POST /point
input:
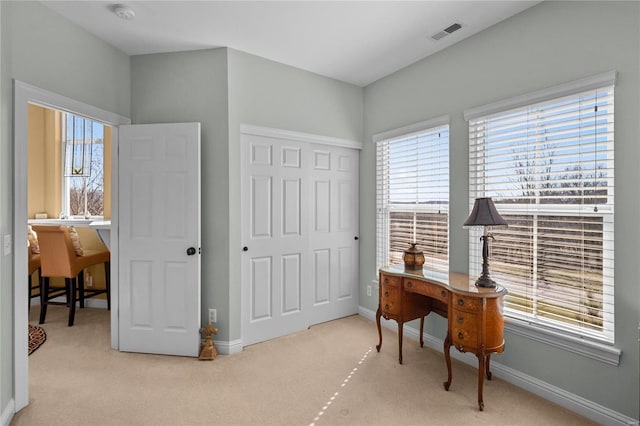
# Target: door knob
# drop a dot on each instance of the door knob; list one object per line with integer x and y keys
{"x": 355, "y": 238}
{"x": 245, "y": 248}
{"x": 191, "y": 251}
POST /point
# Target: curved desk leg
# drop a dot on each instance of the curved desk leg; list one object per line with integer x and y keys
{"x": 481, "y": 373}
{"x": 400, "y": 327}
{"x": 378, "y": 315}
{"x": 422, "y": 332}
{"x": 488, "y": 368}
{"x": 447, "y": 357}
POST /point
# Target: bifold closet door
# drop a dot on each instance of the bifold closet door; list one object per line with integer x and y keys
{"x": 299, "y": 223}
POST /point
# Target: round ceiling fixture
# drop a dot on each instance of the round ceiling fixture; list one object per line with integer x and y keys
{"x": 123, "y": 11}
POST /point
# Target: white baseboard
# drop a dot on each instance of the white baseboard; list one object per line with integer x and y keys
{"x": 8, "y": 412}
{"x": 573, "y": 402}
{"x": 228, "y": 348}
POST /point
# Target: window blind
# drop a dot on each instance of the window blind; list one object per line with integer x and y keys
{"x": 83, "y": 165}
{"x": 549, "y": 167}
{"x": 413, "y": 197}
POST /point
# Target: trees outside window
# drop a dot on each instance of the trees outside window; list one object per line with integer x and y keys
{"x": 83, "y": 156}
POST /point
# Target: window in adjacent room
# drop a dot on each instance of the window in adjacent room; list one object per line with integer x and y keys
{"x": 83, "y": 165}
{"x": 549, "y": 167}
{"x": 413, "y": 193}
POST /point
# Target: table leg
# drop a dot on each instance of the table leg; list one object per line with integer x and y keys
{"x": 378, "y": 315}
{"x": 447, "y": 357}
{"x": 80, "y": 281}
{"x": 481, "y": 373}
{"x": 400, "y": 327}
{"x": 422, "y": 332}
{"x": 488, "y": 369}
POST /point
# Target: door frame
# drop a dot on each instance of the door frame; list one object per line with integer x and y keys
{"x": 25, "y": 94}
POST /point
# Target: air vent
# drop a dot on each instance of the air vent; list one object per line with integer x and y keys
{"x": 450, "y": 29}
{"x": 439, "y": 35}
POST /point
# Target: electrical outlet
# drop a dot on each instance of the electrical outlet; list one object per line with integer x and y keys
{"x": 368, "y": 290}
{"x": 6, "y": 245}
{"x": 213, "y": 315}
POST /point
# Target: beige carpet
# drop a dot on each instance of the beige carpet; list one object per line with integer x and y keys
{"x": 328, "y": 375}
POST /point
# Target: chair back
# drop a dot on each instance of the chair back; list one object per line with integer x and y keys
{"x": 34, "y": 261}
{"x": 57, "y": 255}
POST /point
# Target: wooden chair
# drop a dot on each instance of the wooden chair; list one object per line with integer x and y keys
{"x": 58, "y": 258}
{"x": 34, "y": 265}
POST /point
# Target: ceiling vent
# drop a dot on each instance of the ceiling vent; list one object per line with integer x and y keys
{"x": 450, "y": 29}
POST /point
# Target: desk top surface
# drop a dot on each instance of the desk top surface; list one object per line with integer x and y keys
{"x": 454, "y": 280}
{"x": 91, "y": 223}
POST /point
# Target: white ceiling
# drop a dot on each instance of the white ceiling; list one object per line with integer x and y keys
{"x": 357, "y": 42}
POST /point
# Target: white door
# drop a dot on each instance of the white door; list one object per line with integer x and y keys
{"x": 159, "y": 238}
{"x": 334, "y": 232}
{"x": 299, "y": 223}
{"x": 275, "y": 216}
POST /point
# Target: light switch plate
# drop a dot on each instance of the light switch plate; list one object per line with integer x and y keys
{"x": 6, "y": 245}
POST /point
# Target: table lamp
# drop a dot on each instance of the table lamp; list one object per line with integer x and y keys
{"x": 484, "y": 213}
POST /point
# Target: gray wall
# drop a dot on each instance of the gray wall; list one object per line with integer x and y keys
{"x": 552, "y": 43}
{"x": 192, "y": 87}
{"x": 43, "y": 49}
{"x": 223, "y": 88}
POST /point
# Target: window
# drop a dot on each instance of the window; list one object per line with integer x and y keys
{"x": 83, "y": 165}
{"x": 413, "y": 193}
{"x": 548, "y": 165}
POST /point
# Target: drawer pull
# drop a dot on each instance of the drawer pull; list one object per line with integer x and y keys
{"x": 443, "y": 293}
{"x": 460, "y": 302}
{"x": 460, "y": 336}
{"x": 386, "y": 307}
{"x": 460, "y": 320}
{"x": 409, "y": 284}
{"x": 386, "y": 294}
{"x": 386, "y": 280}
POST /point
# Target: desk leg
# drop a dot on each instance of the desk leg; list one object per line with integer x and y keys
{"x": 447, "y": 357}
{"x": 400, "y": 328}
{"x": 378, "y": 315}
{"x": 422, "y": 332}
{"x": 481, "y": 373}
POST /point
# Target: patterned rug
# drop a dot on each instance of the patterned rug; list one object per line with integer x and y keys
{"x": 37, "y": 336}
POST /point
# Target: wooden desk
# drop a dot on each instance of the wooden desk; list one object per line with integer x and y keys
{"x": 475, "y": 321}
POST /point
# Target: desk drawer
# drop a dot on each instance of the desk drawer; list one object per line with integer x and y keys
{"x": 389, "y": 299}
{"x": 386, "y": 280}
{"x": 427, "y": 289}
{"x": 464, "y": 330}
{"x": 469, "y": 304}
{"x": 390, "y": 294}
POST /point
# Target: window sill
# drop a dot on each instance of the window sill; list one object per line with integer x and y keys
{"x": 594, "y": 350}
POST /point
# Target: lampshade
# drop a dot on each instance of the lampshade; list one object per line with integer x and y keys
{"x": 484, "y": 213}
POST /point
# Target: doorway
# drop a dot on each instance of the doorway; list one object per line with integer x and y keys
{"x": 25, "y": 94}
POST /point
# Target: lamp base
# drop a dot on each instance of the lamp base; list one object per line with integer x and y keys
{"x": 484, "y": 281}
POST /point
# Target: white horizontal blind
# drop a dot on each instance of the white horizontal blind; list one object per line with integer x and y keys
{"x": 413, "y": 197}
{"x": 549, "y": 168}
